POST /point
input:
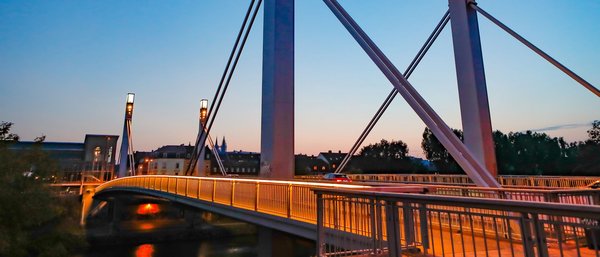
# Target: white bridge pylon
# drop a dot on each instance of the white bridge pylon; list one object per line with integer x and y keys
{"x": 476, "y": 156}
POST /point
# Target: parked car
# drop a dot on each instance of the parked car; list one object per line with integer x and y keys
{"x": 594, "y": 185}
{"x": 337, "y": 177}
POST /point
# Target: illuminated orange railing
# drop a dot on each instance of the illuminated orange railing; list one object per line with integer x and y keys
{"x": 455, "y": 179}
{"x": 289, "y": 199}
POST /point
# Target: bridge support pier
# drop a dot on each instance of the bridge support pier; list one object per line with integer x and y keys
{"x": 472, "y": 88}
{"x": 277, "y": 124}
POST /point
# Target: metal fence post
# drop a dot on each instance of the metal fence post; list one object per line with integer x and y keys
{"x": 214, "y": 190}
{"x": 232, "y": 197}
{"x": 526, "y": 235}
{"x": 373, "y": 216}
{"x": 409, "y": 224}
{"x": 423, "y": 226}
{"x": 289, "y": 201}
{"x": 540, "y": 236}
{"x": 393, "y": 229}
{"x": 256, "y": 195}
{"x": 320, "y": 227}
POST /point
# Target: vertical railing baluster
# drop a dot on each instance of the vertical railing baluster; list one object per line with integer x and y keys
{"x": 289, "y": 201}
{"x": 423, "y": 226}
{"x": 320, "y": 227}
{"x": 256, "y": 196}
{"x": 393, "y": 228}
{"x": 540, "y": 236}
{"x": 232, "y": 195}
{"x": 526, "y": 235}
{"x": 373, "y": 215}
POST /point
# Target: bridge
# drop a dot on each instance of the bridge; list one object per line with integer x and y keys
{"x": 388, "y": 219}
{"x": 477, "y": 214}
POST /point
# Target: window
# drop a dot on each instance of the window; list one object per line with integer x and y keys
{"x": 164, "y": 165}
{"x": 109, "y": 158}
{"x": 97, "y": 152}
{"x": 176, "y": 165}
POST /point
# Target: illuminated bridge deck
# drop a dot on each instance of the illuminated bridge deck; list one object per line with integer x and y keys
{"x": 350, "y": 219}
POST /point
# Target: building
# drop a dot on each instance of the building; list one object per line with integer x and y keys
{"x": 166, "y": 160}
{"x": 239, "y": 163}
{"x": 332, "y": 159}
{"x": 94, "y": 158}
{"x": 308, "y": 165}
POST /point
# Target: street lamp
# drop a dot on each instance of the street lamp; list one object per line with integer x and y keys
{"x": 148, "y": 163}
{"x": 129, "y": 107}
{"x": 124, "y": 155}
{"x": 203, "y": 110}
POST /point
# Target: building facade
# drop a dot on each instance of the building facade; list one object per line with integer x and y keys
{"x": 93, "y": 159}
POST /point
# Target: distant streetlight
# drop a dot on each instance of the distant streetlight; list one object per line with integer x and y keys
{"x": 129, "y": 107}
{"x": 203, "y": 110}
{"x": 148, "y": 163}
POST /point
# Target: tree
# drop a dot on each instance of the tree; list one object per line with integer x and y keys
{"x": 536, "y": 153}
{"x": 588, "y": 159}
{"x": 395, "y": 150}
{"x": 505, "y": 153}
{"x": 33, "y": 221}
{"x": 385, "y": 157}
{"x": 436, "y": 153}
{"x": 594, "y": 132}
{"x": 5, "y": 135}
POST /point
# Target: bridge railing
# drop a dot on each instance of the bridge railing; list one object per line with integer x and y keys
{"x": 288, "y": 199}
{"x": 390, "y": 223}
{"x": 564, "y": 196}
{"x": 453, "y": 179}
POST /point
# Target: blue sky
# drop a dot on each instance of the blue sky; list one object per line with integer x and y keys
{"x": 66, "y": 66}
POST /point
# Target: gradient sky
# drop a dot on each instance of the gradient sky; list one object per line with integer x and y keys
{"x": 66, "y": 66}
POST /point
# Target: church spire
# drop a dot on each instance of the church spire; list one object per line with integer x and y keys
{"x": 217, "y": 145}
{"x": 224, "y": 146}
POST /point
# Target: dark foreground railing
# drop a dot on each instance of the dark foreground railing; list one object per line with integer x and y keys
{"x": 385, "y": 224}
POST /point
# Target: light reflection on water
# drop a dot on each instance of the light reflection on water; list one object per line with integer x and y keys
{"x": 239, "y": 246}
{"x": 145, "y": 250}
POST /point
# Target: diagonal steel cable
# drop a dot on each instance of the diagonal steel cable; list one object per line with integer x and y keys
{"x": 538, "y": 51}
{"x": 212, "y": 113}
{"x": 409, "y": 70}
{"x": 196, "y": 150}
{"x": 476, "y": 171}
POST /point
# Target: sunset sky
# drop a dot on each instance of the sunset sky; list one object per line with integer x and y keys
{"x": 66, "y": 67}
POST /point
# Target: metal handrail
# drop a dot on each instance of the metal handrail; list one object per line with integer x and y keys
{"x": 505, "y": 180}
{"x": 274, "y": 197}
{"x": 396, "y": 222}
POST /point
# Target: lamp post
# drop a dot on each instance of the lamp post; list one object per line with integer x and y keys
{"x": 202, "y": 123}
{"x": 124, "y": 155}
{"x": 203, "y": 111}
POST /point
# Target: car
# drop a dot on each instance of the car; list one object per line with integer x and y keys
{"x": 337, "y": 177}
{"x": 594, "y": 185}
